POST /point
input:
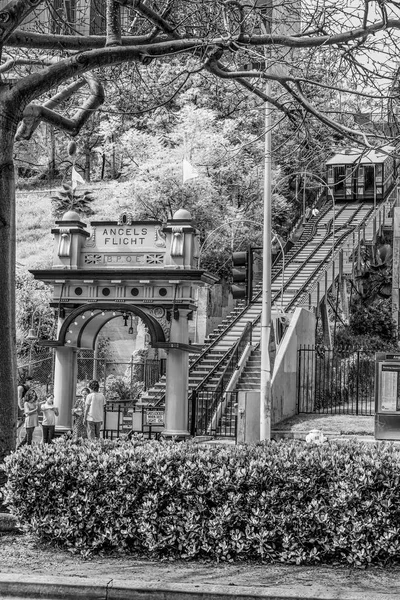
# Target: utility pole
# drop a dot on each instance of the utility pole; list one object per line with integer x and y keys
{"x": 265, "y": 392}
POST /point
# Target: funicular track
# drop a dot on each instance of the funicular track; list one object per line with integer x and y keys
{"x": 304, "y": 263}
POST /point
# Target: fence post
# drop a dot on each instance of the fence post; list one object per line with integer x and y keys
{"x": 130, "y": 387}
{"x": 299, "y": 380}
{"x": 193, "y": 401}
{"x": 357, "y": 380}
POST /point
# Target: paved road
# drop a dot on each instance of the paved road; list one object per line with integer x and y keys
{"x": 19, "y": 586}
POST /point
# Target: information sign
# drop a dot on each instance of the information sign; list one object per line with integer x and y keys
{"x": 154, "y": 416}
{"x": 387, "y": 396}
{"x": 390, "y": 387}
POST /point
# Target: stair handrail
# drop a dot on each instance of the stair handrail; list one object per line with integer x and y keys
{"x": 161, "y": 395}
{"x": 243, "y": 311}
{"x": 234, "y": 359}
{"x": 325, "y": 265}
{"x": 373, "y": 213}
{"x": 159, "y": 398}
{"x": 236, "y": 353}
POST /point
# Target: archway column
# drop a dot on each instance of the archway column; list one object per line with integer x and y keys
{"x": 177, "y": 380}
{"x": 65, "y": 372}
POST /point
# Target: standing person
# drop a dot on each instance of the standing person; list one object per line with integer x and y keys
{"x": 50, "y": 412}
{"x": 79, "y": 429}
{"x": 31, "y": 409}
{"x": 315, "y": 212}
{"x": 21, "y": 391}
{"x": 94, "y": 410}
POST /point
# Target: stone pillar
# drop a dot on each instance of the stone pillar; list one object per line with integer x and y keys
{"x": 176, "y": 393}
{"x": 65, "y": 371}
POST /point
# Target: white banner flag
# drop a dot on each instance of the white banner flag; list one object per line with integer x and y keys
{"x": 76, "y": 178}
{"x": 189, "y": 171}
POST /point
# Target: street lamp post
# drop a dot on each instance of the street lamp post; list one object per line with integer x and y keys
{"x": 265, "y": 387}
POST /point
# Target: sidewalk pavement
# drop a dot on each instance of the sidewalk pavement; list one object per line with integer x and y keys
{"x": 19, "y": 586}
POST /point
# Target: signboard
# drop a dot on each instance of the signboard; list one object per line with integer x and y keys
{"x": 154, "y": 416}
{"x": 124, "y": 237}
{"x": 387, "y": 396}
{"x": 389, "y": 384}
{"x": 132, "y": 245}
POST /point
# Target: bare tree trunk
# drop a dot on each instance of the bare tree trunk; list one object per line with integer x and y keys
{"x": 87, "y": 164}
{"x": 8, "y": 363}
{"x": 52, "y": 152}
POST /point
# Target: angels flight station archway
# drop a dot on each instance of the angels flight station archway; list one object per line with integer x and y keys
{"x": 118, "y": 267}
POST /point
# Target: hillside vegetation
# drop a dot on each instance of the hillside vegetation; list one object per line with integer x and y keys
{"x": 35, "y": 219}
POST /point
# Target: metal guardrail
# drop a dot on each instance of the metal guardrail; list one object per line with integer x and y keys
{"x": 336, "y": 381}
{"x": 143, "y": 420}
{"x": 209, "y": 400}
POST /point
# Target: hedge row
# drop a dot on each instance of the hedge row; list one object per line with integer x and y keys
{"x": 287, "y": 502}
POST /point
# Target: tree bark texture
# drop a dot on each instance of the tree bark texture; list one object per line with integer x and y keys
{"x": 8, "y": 362}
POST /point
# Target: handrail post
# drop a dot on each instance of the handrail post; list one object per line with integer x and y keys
{"x": 193, "y": 400}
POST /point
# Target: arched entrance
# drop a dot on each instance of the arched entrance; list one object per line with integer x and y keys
{"x": 143, "y": 268}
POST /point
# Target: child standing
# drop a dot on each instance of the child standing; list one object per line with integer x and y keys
{"x": 50, "y": 412}
{"x": 31, "y": 409}
{"x": 79, "y": 429}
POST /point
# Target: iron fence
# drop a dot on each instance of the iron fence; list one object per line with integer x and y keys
{"x": 336, "y": 381}
{"x": 40, "y": 367}
{"x": 119, "y": 380}
{"x": 124, "y": 419}
{"x": 213, "y": 414}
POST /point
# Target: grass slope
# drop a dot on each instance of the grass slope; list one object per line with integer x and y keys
{"x": 35, "y": 219}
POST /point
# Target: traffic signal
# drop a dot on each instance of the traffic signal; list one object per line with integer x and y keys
{"x": 242, "y": 275}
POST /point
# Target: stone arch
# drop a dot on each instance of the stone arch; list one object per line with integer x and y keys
{"x": 82, "y": 326}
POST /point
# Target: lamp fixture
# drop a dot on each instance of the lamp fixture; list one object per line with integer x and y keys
{"x": 125, "y": 318}
{"x": 130, "y": 330}
{"x": 31, "y": 335}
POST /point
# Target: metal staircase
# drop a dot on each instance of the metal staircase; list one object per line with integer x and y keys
{"x": 305, "y": 263}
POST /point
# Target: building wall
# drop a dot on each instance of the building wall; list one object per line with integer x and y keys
{"x": 300, "y": 332}
{"x": 71, "y": 17}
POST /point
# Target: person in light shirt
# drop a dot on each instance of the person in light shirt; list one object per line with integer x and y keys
{"x": 94, "y": 410}
{"x": 50, "y": 412}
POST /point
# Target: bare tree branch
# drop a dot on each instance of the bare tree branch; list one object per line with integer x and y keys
{"x": 34, "y": 114}
{"x": 13, "y": 14}
{"x": 113, "y": 23}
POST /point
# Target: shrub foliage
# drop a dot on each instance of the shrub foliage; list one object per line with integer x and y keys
{"x": 287, "y": 502}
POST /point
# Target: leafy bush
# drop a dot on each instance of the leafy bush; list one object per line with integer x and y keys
{"x": 122, "y": 388}
{"x": 286, "y": 502}
{"x": 67, "y": 199}
{"x": 373, "y": 320}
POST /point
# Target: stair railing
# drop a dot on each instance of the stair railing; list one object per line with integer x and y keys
{"x": 212, "y": 400}
{"x": 161, "y": 396}
{"x": 301, "y": 294}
